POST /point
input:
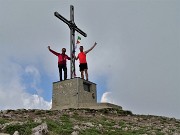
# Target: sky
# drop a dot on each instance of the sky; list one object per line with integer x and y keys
{"x": 136, "y": 63}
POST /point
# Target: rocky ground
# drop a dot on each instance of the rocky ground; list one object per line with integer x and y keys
{"x": 85, "y": 122}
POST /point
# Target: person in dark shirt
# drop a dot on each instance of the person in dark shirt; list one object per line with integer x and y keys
{"x": 62, "y": 57}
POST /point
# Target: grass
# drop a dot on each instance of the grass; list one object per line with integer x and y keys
{"x": 107, "y": 122}
{"x": 24, "y": 129}
{"x": 62, "y": 123}
{"x": 90, "y": 131}
{"x": 78, "y": 117}
{"x": 3, "y": 121}
{"x": 63, "y": 126}
{"x": 38, "y": 112}
{"x": 67, "y": 126}
{"x": 159, "y": 133}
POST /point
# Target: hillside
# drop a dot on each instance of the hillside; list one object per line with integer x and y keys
{"x": 85, "y": 122}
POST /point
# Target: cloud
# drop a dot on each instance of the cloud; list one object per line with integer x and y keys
{"x": 35, "y": 102}
{"x": 107, "y": 97}
{"x": 14, "y": 92}
{"x": 137, "y": 55}
{"x": 141, "y": 60}
{"x": 33, "y": 73}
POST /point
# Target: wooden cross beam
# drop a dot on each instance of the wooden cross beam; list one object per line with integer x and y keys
{"x": 73, "y": 28}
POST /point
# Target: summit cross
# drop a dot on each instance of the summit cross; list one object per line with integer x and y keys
{"x": 73, "y": 28}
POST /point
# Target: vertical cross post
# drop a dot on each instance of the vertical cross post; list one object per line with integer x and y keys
{"x": 73, "y": 28}
{"x": 72, "y": 42}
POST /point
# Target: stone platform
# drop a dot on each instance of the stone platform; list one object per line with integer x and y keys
{"x": 76, "y": 93}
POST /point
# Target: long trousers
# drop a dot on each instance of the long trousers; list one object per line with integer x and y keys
{"x": 64, "y": 68}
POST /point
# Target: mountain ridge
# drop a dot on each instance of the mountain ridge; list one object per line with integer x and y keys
{"x": 107, "y": 121}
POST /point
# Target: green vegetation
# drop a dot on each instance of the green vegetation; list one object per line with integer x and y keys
{"x": 90, "y": 131}
{"x": 78, "y": 117}
{"x": 62, "y": 126}
{"x": 87, "y": 122}
{"x": 54, "y": 126}
{"x": 38, "y": 112}
{"x": 122, "y": 123}
{"x": 3, "y": 121}
{"x": 24, "y": 129}
{"x": 67, "y": 126}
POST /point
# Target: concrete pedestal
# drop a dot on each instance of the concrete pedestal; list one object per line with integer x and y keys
{"x": 76, "y": 93}
{"x": 73, "y": 93}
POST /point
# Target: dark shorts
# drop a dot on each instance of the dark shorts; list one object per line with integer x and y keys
{"x": 83, "y": 66}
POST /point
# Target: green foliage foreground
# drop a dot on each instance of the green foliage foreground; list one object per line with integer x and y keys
{"x": 88, "y": 122}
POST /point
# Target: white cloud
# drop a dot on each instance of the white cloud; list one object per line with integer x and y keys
{"x": 107, "y": 97}
{"x": 34, "y": 71}
{"x": 35, "y": 102}
{"x": 14, "y": 93}
{"x": 137, "y": 52}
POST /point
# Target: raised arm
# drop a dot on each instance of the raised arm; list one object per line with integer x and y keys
{"x": 55, "y": 53}
{"x": 90, "y": 48}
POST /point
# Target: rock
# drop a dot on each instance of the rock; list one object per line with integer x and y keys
{"x": 26, "y": 116}
{"x": 153, "y": 133}
{"x": 71, "y": 113}
{"x": 165, "y": 130}
{"x": 135, "y": 119}
{"x": 37, "y": 120}
{"x": 88, "y": 124}
{"x": 125, "y": 129}
{"x": 100, "y": 125}
{"x": 40, "y": 130}
{"x": 7, "y": 116}
{"x": 16, "y": 133}
{"x": 176, "y": 134}
{"x": 75, "y": 133}
{"x": 76, "y": 127}
{"x": 115, "y": 112}
{"x": 140, "y": 119}
{"x": 1, "y": 126}
{"x": 116, "y": 126}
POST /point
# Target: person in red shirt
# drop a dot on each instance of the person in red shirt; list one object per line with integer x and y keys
{"x": 62, "y": 57}
{"x": 82, "y": 60}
